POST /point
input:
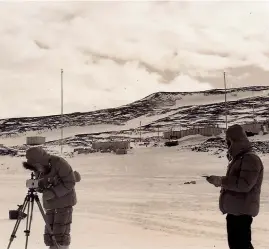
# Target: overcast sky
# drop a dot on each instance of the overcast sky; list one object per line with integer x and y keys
{"x": 114, "y": 53}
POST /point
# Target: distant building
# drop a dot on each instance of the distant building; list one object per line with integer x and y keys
{"x": 111, "y": 145}
{"x": 121, "y": 151}
{"x": 205, "y": 131}
{"x": 35, "y": 140}
{"x": 256, "y": 127}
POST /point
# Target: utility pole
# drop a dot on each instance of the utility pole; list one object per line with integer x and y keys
{"x": 62, "y": 110}
{"x": 140, "y": 132}
{"x": 253, "y": 112}
{"x": 226, "y": 119}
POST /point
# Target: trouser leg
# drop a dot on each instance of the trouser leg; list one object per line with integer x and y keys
{"x": 50, "y": 219}
{"x": 239, "y": 231}
{"x": 62, "y": 225}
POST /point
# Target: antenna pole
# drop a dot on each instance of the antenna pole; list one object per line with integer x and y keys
{"x": 62, "y": 110}
{"x": 225, "y": 86}
{"x": 140, "y": 132}
{"x": 253, "y": 112}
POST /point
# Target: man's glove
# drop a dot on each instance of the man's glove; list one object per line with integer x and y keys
{"x": 48, "y": 183}
{"x": 215, "y": 180}
{"x": 42, "y": 183}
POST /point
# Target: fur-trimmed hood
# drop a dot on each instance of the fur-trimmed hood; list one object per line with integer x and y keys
{"x": 34, "y": 156}
{"x": 37, "y": 155}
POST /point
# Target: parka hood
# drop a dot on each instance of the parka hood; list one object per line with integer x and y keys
{"x": 37, "y": 155}
{"x": 236, "y": 135}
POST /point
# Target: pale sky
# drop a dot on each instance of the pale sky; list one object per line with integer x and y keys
{"x": 114, "y": 53}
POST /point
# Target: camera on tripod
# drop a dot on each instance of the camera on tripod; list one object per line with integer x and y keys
{"x": 32, "y": 183}
{"x": 28, "y": 204}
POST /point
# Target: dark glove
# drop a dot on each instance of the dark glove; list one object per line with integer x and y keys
{"x": 42, "y": 183}
{"x": 215, "y": 180}
{"x": 48, "y": 183}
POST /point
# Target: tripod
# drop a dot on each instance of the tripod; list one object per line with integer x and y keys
{"x": 28, "y": 203}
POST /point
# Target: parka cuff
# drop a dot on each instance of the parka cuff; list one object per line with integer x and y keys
{"x": 222, "y": 178}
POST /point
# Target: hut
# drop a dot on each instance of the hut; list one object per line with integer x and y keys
{"x": 35, "y": 140}
{"x": 111, "y": 145}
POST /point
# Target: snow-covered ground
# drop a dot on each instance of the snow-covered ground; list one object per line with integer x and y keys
{"x": 136, "y": 201}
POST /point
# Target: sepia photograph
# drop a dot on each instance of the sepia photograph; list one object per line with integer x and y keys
{"x": 134, "y": 124}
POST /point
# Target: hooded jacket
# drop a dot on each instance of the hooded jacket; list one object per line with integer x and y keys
{"x": 59, "y": 176}
{"x": 241, "y": 187}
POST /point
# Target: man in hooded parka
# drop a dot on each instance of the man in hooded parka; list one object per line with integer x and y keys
{"x": 57, "y": 183}
{"x": 240, "y": 188}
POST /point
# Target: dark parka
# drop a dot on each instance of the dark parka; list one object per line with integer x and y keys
{"x": 62, "y": 192}
{"x": 241, "y": 187}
